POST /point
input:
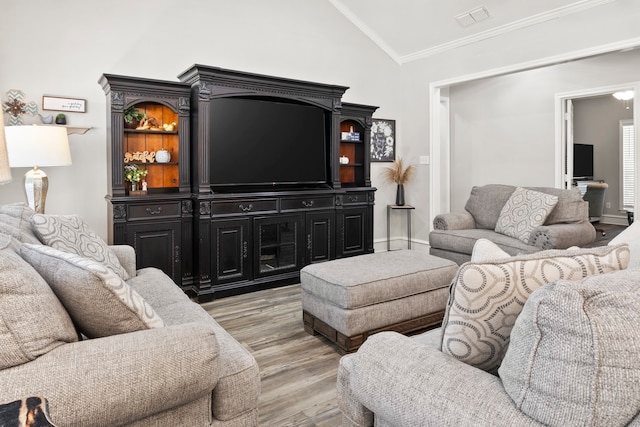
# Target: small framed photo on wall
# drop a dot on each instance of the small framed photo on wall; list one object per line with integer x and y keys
{"x": 383, "y": 140}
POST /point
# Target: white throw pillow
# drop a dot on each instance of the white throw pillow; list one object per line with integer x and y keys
{"x": 524, "y": 211}
{"x": 486, "y": 250}
{"x": 630, "y": 236}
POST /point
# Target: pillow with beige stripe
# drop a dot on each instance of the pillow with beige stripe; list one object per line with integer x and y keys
{"x": 487, "y": 297}
{"x": 100, "y": 303}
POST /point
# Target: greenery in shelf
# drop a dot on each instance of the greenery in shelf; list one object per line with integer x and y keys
{"x": 131, "y": 114}
{"x": 134, "y": 173}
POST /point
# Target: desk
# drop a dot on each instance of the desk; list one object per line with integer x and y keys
{"x": 406, "y": 208}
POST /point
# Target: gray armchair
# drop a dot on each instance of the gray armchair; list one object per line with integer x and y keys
{"x": 595, "y": 196}
{"x": 572, "y": 361}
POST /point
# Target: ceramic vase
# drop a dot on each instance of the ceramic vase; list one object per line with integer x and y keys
{"x": 400, "y": 195}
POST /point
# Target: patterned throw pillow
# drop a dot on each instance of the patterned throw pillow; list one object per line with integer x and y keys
{"x": 32, "y": 320}
{"x": 486, "y": 298}
{"x": 524, "y": 211}
{"x": 100, "y": 303}
{"x": 69, "y": 233}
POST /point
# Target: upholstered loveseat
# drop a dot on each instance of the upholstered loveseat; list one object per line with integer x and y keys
{"x": 541, "y": 339}
{"x": 105, "y": 344}
{"x": 561, "y": 226}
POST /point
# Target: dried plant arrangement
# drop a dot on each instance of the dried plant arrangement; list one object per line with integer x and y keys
{"x": 398, "y": 172}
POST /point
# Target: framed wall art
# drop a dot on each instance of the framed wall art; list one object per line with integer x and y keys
{"x": 57, "y": 103}
{"x": 383, "y": 140}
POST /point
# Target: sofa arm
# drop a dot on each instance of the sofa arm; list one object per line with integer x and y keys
{"x": 406, "y": 383}
{"x": 115, "y": 380}
{"x": 562, "y": 236}
{"x": 454, "y": 221}
{"x": 127, "y": 257}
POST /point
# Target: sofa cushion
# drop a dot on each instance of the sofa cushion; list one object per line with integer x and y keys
{"x": 69, "y": 233}
{"x": 630, "y": 236}
{"x": 463, "y": 241}
{"x": 15, "y": 221}
{"x": 32, "y": 320}
{"x": 573, "y": 357}
{"x": 486, "y": 202}
{"x": 570, "y": 208}
{"x": 100, "y": 303}
{"x": 486, "y": 298}
{"x": 524, "y": 211}
{"x": 486, "y": 250}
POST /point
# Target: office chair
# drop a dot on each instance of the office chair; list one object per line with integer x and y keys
{"x": 595, "y": 196}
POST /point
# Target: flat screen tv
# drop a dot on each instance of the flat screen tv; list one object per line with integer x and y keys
{"x": 266, "y": 142}
{"x": 582, "y": 161}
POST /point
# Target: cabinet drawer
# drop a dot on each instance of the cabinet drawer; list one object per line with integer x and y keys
{"x": 248, "y": 206}
{"x": 154, "y": 210}
{"x": 355, "y": 198}
{"x": 299, "y": 203}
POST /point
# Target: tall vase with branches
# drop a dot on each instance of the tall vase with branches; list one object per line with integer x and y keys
{"x": 399, "y": 173}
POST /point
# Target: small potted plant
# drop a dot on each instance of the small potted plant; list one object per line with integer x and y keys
{"x": 132, "y": 117}
{"x": 400, "y": 174}
{"x": 61, "y": 119}
{"x": 133, "y": 174}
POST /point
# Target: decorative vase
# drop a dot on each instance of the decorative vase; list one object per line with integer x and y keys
{"x": 163, "y": 156}
{"x": 134, "y": 186}
{"x": 132, "y": 124}
{"x": 61, "y": 120}
{"x": 400, "y": 195}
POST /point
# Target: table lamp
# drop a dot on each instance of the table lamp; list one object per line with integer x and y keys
{"x": 5, "y": 170}
{"x": 36, "y": 146}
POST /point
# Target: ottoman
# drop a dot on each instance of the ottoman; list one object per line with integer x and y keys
{"x": 348, "y": 299}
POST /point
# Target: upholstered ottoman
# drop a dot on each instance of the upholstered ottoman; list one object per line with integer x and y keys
{"x": 348, "y": 299}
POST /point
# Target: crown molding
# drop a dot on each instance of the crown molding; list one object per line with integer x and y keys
{"x": 539, "y": 18}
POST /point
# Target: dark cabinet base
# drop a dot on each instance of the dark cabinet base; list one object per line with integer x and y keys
{"x": 254, "y": 241}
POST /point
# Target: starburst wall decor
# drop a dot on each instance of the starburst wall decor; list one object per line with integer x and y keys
{"x": 16, "y": 107}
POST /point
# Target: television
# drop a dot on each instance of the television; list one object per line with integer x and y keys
{"x": 582, "y": 161}
{"x": 259, "y": 142}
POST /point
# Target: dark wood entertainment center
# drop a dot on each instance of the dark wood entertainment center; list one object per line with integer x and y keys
{"x": 218, "y": 240}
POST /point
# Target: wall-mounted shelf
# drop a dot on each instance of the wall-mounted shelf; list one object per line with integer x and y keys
{"x": 78, "y": 130}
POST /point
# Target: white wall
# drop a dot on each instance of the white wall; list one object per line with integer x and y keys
{"x": 504, "y": 127}
{"x": 63, "y": 48}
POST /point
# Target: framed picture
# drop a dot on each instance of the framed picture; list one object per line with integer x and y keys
{"x": 57, "y": 103}
{"x": 383, "y": 140}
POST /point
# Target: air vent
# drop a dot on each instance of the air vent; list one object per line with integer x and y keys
{"x": 471, "y": 17}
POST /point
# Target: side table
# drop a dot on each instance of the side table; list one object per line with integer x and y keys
{"x": 409, "y": 209}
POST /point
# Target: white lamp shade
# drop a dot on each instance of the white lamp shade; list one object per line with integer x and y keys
{"x": 5, "y": 171}
{"x": 30, "y": 146}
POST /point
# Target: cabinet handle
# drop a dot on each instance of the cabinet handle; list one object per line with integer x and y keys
{"x": 244, "y": 249}
{"x": 176, "y": 254}
{"x": 307, "y": 204}
{"x": 309, "y": 242}
{"x": 155, "y": 211}
{"x": 244, "y": 208}
{"x": 353, "y": 198}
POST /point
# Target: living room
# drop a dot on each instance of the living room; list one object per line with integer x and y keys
{"x": 63, "y": 49}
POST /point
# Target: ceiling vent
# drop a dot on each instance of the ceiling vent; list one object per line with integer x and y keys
{"x": 471, "y": 17}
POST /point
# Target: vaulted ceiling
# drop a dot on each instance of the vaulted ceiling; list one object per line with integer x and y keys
{"x": 413, "y": 29}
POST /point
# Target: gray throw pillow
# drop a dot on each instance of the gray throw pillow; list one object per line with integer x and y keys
{"x": 69, "y": 233}
{"x": 15, "y": 221}
{"x": 573, "y": 357}
{"x": 32, "y": 320}
{"x": 100, "y": 303}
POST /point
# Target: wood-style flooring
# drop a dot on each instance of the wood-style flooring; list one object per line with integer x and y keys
{"x": 297, "y": 370}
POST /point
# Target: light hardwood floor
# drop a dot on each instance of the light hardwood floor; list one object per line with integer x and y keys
{"x": 297, "y": 370}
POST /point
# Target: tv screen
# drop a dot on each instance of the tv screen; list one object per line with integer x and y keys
{"x": 266, "y": 142}
{"x": 582, "y": 161}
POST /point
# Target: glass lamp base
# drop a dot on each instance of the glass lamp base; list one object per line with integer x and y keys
{"x": 36, "y": 184}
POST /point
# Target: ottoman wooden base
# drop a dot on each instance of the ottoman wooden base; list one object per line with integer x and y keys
{"x": 314, "y": 326}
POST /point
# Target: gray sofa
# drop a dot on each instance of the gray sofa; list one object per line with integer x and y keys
{"x": 455, "y": 233}
{"x": 570, "y": 359}
{"x": 158, "y": 360}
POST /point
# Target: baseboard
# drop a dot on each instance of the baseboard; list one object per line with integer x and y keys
{"x": 380, "y": 245}
{"x": 614, "y": 219}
